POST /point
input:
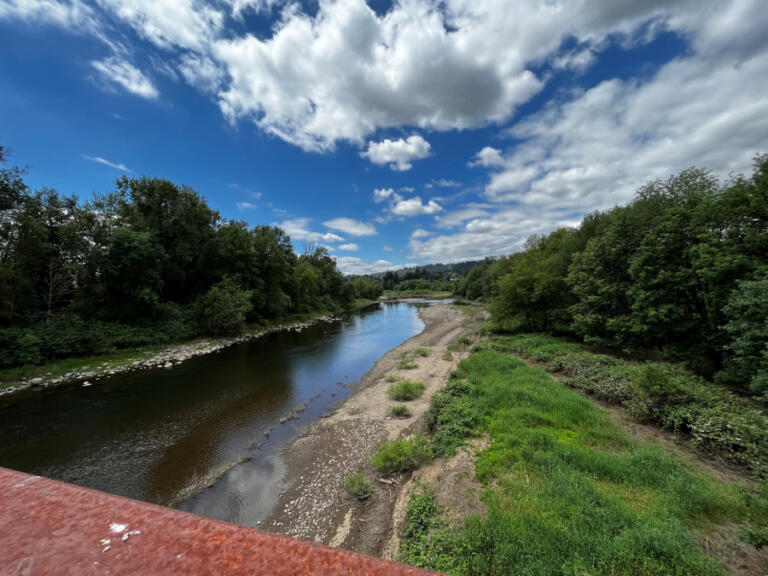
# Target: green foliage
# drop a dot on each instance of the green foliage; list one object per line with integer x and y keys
{"x": 566, "y": 492}
{"x": 222, "y": 309}
{"x": 747, "y": 315}
{"x": 150, "y": 262}
{"x": 405, "y": 390}
{"x": 400, "y": 411}
{"x": 451, "y": 417}
{"x": 407, "y": 365}
{"x": 402, "y": 455}
{"x": 680, "y": 271}
{"x": 716, "y": 420}
{"x": 423, "y": 352}
{"x": 358, "y": 486}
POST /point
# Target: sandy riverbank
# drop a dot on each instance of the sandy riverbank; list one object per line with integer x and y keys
{"x": 315, "y": 506}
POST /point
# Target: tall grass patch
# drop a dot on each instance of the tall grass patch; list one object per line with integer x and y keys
{"x": 566, "y": 492}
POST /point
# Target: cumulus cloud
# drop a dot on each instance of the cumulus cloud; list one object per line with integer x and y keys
{"x": 399, "y": 154}
{"x": 419, "y": 233}
{"x": 116, "y": 71}
{"x": 488, "y": 157}
{"x": 382, "y": 194}
{"x": 415, "y": 207}
{"x": 116, "y": 165}
{"x": 355, "y": 265}
{"x": 350, "y": 226}
{"x": 351, "y": 247}
{"x": 298, "y": 229}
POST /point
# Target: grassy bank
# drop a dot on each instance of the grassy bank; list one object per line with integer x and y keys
{"x": 14, "y": 376}
{"x": 394, "y": 294}
{"x": 566, "y": 492}
{"x": 717, "y": 421}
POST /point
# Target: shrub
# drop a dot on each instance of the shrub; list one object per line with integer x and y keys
{"x": 392, "y": 378}
{"x": 405, "y": 390}
{"x": 402, "y": 455}
{"x": 451, "y": 417}
{"x": 423, "y": 352}
{"x": 400, "y": 411}
{"x": 358, "y": 486}
{"x": 223, "y": 308}
{"x": 406, "y": 365}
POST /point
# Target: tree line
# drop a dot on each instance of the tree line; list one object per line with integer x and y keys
{"x": 148, "y": 262}
{"x": 681, "y": 272}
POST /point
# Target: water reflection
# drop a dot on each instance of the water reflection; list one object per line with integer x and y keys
{"x": 163, "y": 435}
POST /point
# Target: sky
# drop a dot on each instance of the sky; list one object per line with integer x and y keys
{"x": 394, "y": 133}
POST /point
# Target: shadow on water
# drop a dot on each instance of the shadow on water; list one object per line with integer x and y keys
{"x": 205, "y": 435}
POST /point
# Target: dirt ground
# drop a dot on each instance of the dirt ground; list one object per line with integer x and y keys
{"x": 315, "y": 506}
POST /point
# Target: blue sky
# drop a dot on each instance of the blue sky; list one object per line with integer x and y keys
{"x": 395, "y": 133}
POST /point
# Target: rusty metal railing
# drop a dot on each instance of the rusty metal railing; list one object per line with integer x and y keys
{"x": 49, "y": 527}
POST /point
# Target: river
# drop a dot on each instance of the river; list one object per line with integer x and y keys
{"x": 204, "y": 436}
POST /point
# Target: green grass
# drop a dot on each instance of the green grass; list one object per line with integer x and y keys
{"x": 423, "y": 352}
{"x": 392, "y": 378}
{"x": 400, "y": 411}
{"x": 407, "y": 365}
{"x": 13, "y": 376}
{"x": 405, "y": 390}
{"x": 566, "y": 492}
{"x": 358, "y": 486}
{"x": 717, "y": 421}
{"x": 402, "y": 455}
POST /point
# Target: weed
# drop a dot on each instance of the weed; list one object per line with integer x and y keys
{"x": 402, "y": 455}
{"x": 400, "y": 411}
{"x": 392, "y": 378}
{"x": 358, "y": 486}
{"x": 405, "y": 390}
{"x": 406, "y": 365}
{"x": 423, "y": 352}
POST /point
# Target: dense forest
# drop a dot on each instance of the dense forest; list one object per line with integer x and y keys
{"x": 149, "y": 262}
{"x": 681, "y": 273}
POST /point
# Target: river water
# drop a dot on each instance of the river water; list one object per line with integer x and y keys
{"x": 182, "y": 436}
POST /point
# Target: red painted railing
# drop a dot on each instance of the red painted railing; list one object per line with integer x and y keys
{"x": 49, "y": 527}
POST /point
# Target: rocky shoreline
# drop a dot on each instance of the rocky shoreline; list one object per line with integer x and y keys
{"x": 167, "y": 358}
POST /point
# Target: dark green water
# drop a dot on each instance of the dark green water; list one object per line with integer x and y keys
{"x": 163, "y": 435}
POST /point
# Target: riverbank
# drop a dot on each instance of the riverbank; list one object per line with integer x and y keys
{"x": 315, "y": 506}
{"x": 92, "y": 369}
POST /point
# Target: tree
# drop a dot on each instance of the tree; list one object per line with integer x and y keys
{"x": 222, "y": 309}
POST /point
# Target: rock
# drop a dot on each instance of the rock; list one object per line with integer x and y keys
{"x": 36, "y": 381}
{"x": 86, "y": 384}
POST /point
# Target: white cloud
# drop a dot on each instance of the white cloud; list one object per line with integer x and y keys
{"x": 458, "y": 217}
{"x": 399, "y": 154}
{"x": 444, "y": 183}
{"x": 578, "y": 60}
{"x": 381, "y": 194}
{"x": 246, "y": 206}
{"x": 488, "y": 157}
{"x": 415, "y": 207}
{"x": 116, "y": 71}
{"x": 351, "y": 247}
{"x": 298, "y": 229}
{"x": 355, "y": 265}
{"x": 419, "y": 233}
{"x": 116, "y": 165}
{"x": 190, "y": 24}
{"x": 350, "y": 226}
{"x": 73, "y": 15}
{"x": 201, "y": 72}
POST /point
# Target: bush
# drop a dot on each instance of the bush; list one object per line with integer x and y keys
{"x": 406, "y": 365}
{"x": 451, "y": 417}
{"x": 400, "y": 411}
{"x": 405, "y": 390}
{"x": 402, "y": 455}
{"x": 423, "y": 352}
{"x": 358, "y": 486}
{"x": 223, "y": 308}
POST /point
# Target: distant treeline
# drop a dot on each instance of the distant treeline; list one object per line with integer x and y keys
{"x": 149, "y": 262}
{"x": 681, "y": 272}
